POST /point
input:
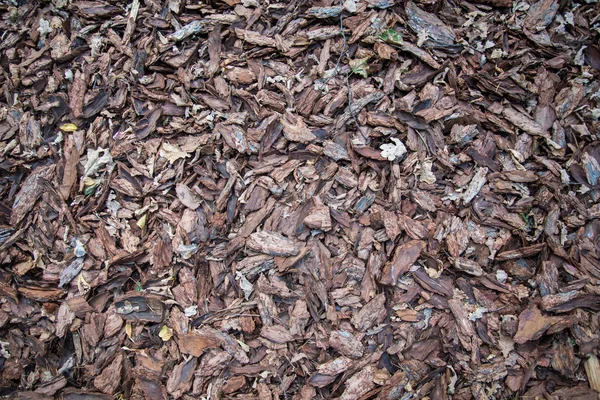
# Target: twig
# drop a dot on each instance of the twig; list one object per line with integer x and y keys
{"x": 342, "y": 52}
{"x": 337, "y": 64}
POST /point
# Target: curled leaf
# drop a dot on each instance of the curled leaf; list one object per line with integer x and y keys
{"x": 172, "y": 152}
{"x": 165, "y": 333}
{"x": 141, "y": 223}
{"x": 68, "y": 127}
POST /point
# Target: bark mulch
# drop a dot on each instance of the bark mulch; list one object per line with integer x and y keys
{"x": 251, "y": 199}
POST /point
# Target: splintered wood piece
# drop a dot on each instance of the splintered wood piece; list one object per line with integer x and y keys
{"x": 592, "y": 370}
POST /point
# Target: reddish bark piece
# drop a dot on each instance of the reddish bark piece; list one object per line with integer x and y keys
{"x": 532, "y": 325}
{"x": 109, "y": 380}
{"x": 195, "y": 344}
{"x": 404, "y": 257}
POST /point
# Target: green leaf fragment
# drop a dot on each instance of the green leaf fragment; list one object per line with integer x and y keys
{"x": 391, "y": 36}
{"x": 90, "y": 189}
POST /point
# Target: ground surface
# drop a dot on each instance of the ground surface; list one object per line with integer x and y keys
{"x": 244, "y": 199}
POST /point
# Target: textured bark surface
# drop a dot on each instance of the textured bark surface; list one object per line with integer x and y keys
{"x": 250, "y": 199}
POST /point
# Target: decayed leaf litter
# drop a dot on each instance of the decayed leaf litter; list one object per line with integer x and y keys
{"x": 352, "y": 200}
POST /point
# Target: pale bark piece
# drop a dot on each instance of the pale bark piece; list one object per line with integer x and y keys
{"x": 476, "y": 184}
{"x": 51, "y": 387}
{"x": 466, "y": 331}
{"x": 295, "y": 129}
{"x": 523, "y": 122}
{"x": 276, "y": 334}
{"x": 420, "y": 53}
{"x": 592, "y": 370}
{"x": 335, "y": 151}
{"x": 439, "y": 285}
{"x": 151, "y": 389}
{"x": 469, "y": 266}
{"x": 428, "y": 25}
{"x": 299, "y": 318}
{"x": 356, "y": 106}
{"x": 565, "y": 302}
{"x": 541, "y": 14}
{"x": 255, "y": 38}
{"x": 187, "y": 197}
{"x": 360, "y": 384}
{"x": 30, "y": 192}
{"x": 71, "y": 157}
{"x": 489, "y": 372}
{"x": 64, "y": 318}
{"x": 404, "y": 257}
{"x": 228, "y": 343}
{"x": 335, "y": 366}
{"x": 527, "y": 251}
{"x": 234, "y": 384}
{"x": 346, "y": 344}
{"x": 77, "y": 93}
{"x": 234, "y": 136}
{"x": 373, "y": 312}
{"x": 272, "y": 243}
{"x": 180, "y": 378}
{"x": 192, "y": 28}
{"x": 140, "y": 308}
{"x": 563, "y": 359}
{"x": 264, "y": 392}
{"x": 79, "y": 306}
{"x": 71, "y": 271}
{"x": 113, "y": 324}
{"x": 41, "y": 294}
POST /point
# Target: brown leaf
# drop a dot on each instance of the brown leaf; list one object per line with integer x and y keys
{"x": 147, "y": 125}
